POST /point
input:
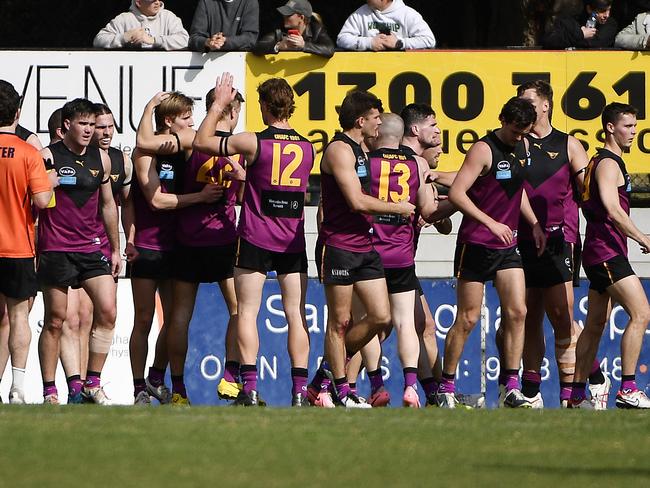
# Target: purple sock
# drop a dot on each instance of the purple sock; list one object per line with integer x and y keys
{"x": 565, "y": 391}
{"x": 447, "y": 384}
{"x": 299, "y": 381}
{"x": 231, "y": 371}
{"x": 578, "y": 392}
{"x": 376, "y": 380}
{"x": 342, "y": 387}
{"x": 138, "y": 386}
{"x": 510, "y": 379}
{"x": 93, "y": 380}
{"x": 628, "y": 385}
{"x": 595, "y": 367}
{"x": 156, "y": 376}
{"x": 74, "y": 386}
{"x": 410, "y": 377}
{"x": 178, "y": 385}
{"x": 532, "y": 376}
{"x": 353, "y": 388}
{"x": 429, "y": 385}
{"x": 49, "y": 390}
{"x": 249, "y": 377}
{"x": 319, "y": 378}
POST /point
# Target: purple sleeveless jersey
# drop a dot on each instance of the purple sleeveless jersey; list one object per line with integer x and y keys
{"x": 603, "y": 240}
{"x": 72, "y": 224}
{"x": 394, "y": 177}
{"x": 208, "y": 224}
{"x": 157, "y": 230}
{"x": 497, "y": 193}
{"x": 341, "y": 227}
{"x": 272, "y": 215}
{"x": 547, "y": 182}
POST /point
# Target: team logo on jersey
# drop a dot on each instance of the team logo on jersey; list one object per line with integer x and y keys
{"x": 552, "y": 155}
{"x": 503, "y": 170}
{"x": 94, "y": 172}
{"x": 115, "y": 178}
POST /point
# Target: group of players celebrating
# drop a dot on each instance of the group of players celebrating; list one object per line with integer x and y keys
{"x": 517, "y": 189}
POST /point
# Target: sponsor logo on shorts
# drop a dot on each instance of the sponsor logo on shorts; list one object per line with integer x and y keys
{"x": 567, "y": 261}
{"x": 341, "y": 273}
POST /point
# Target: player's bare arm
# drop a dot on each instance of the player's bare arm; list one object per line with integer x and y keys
{"x": 109, "y": 215}
{"x": 578, "y": 161}
{"x": 538, "y": 233}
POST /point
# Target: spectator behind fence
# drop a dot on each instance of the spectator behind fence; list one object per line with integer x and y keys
{"x": 303, "y": 30}
{"x": 592, "y": 28}
{"x": 147, "y": 25}
{"x": 385, "y": 25}
{"x": 635, "y": 36}
{"x": 225, "y": 25}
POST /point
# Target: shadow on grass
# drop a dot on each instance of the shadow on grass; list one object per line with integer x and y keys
{"x": 567, "y": 470}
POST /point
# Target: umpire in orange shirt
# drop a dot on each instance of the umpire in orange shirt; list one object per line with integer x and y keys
{"x": 23, "y": 180}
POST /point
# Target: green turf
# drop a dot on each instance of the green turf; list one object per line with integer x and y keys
{"x": 126, "y": 446}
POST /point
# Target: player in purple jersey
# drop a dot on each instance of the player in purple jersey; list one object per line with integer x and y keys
{"x": 489, "y": 191}
{"x": 557, "y": 162}
{"x": 346, "y": 260}
{"x": 78, "y": 323}
{"x": 159, "y": 162}
{"x": 397, "y": 175}
{"x": 271, "y": 224}
{"x": 606, "y": 207}
{"x": 70, "y": 247}
{"x": 205, "y": 237}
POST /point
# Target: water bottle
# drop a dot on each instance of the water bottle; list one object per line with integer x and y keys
{"x": 591, "y": 21}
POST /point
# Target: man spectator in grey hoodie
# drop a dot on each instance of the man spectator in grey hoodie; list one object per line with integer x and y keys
{"x": 146, "y": 25}
{"x": 225, "y": 25}
{"x": 635, "y": 36}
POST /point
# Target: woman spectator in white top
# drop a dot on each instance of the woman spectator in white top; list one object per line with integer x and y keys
{"x": 385, "y": 25}
{"x": 147, "y": 25}
{"x": 635, "y": 36}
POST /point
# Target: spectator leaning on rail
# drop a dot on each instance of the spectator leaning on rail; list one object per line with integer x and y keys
{"x": 225, "y": 25}
{"x": 147, "y": 24}
{"x": 635, "y": 36}
{"x": 385, "y": 25}
{"x": 592, "y": 28}
{"x": 303, "y": 31}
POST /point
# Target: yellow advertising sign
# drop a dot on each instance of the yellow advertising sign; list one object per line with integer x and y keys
{"x": 466, "y": 89}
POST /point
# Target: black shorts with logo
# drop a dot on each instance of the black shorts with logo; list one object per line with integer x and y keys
{"x": 210, "y": 264}
{"x": 151, "y": 265}
{"x": 18, "y": 278}
{"x": 340, "y": 267}
{"x": 250, "y": 256}
{"x": 603, "y": 275}
{"x": 553, "y": 267}
{"x": 473, "y": 262}
{"x": 65, "y": 269}
{"x": 399, "y": 280}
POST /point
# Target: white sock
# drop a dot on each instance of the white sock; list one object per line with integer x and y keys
{"x": 18, "y": 382}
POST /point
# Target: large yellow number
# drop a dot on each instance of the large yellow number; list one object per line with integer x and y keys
{"x": 403, "y": 182}
{"x": 285, "y": 178}
{"x": 202, "y": 175}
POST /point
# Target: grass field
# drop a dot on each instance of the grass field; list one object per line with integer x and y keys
{"x": 126, "y": 446}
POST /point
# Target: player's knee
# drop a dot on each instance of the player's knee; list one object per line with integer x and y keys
{"x": 72, "y": 324}
{"x": 105, "y": 316}
{"x": 514, "y": 314}
{"x": 466, "y": 320}
{"x": 338, "y": 325}
{"x": 55, "y": 323}
{"x": 381, "y": 320}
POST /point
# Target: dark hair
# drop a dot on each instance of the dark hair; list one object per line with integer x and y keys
{"x": 415, "y": 113}
{"x": 277, "y": 94}
{"x": 76, "y": 108}
{"x": 209, "y": 100}
{"x": 542, "y": 88}
{"x": 518, "y": 111}
{"x": 613, "y": 111}
{"x": 9, "y": 103}
{"x": 55, "y": 122}
{"x": 357, "y": 104}
{"x": 599, "y": 5}
{"x": 102, "y": 109}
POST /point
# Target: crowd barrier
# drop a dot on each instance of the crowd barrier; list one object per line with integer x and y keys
{"x": 466, "y": 88}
